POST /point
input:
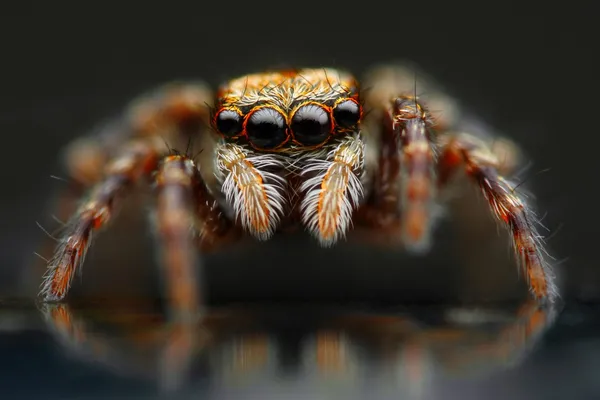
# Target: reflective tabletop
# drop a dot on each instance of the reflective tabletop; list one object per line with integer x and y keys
{"x": 133, "y": 350}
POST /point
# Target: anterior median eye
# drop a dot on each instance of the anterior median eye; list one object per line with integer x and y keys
{"x": 266, "y": 128}
{"x": 347, "y": 113}
{"x": 311, "y": 124}
{"x": 228, "y": 122}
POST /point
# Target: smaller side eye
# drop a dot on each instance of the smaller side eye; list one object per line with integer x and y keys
{"x": 228, "y": 122}
{"x": 347, "y": 113}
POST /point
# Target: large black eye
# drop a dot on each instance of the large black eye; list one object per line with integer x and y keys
{"x": 311, "y": 124}
{"x": 229, "y": 122}
{"x": 266, "y": 128}
{"x": 347, "y": 113}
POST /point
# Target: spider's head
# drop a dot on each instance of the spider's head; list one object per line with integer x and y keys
{"x": 283, "y": 130}
{"x": 288, "y": 110}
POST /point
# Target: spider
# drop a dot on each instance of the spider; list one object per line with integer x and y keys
{"x": 285, "y": 149}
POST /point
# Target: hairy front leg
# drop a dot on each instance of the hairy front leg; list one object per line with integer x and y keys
{"x": 136, "y": 161}
{"x": 472, "y": 154}
{"x": 171, "y": 112}
{"x": 185, "y": 209}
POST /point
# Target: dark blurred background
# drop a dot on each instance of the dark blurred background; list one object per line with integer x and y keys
{"x": 529, "y": 70}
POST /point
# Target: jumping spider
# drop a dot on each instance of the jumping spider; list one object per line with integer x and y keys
{"x": 283, "y": 149}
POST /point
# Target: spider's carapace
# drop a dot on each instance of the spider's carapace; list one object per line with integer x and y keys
{"x": 288, "y": 110}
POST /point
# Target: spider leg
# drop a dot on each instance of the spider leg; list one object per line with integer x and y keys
{"x": 185, "y": 208}
{"x": 481, "y": 166}
{"x": 403, "y": 196}
{"x": 411, "y": 123}
{"x": 136, "y": 161}
{"x": 171, "y": 107}
{"x": 131, "y": 146}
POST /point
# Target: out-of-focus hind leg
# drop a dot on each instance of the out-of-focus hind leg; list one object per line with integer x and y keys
{"x": 170, "y": 111}
{"x": 400, "y": 128}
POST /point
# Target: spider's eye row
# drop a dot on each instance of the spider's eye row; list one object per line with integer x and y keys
{"x": 266, "y": 128}
{"x": 347, "y": 113}
{"x": 311, "y": 124}
{"x": 228, "y": 122}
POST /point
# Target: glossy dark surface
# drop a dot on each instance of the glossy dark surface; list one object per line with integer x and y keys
{"x": 300, "y": 352}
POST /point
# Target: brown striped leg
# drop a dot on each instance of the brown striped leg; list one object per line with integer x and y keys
{"x": 411, "y": 125}
{"x": 137, "y": 160}
{"x": 381, "y": 211}
{"x": 402, "y": 201}
{"x": 481, "y": 166}
{"x": 185, "y": 209}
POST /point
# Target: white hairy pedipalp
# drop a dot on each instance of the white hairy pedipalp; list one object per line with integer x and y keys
{"x": 333, "y": 190}
{"x": 256, "y": 195}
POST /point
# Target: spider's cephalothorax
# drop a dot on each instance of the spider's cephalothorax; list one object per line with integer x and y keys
{"x": 286, "y": 133}
{"x": 299, "y": 147}
{"x": 288, "y": 110}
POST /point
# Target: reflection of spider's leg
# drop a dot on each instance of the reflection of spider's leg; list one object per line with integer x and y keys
{"x": 531, "y": 322}
{"x": 246, "y": 356}
{"x": 416, "y": 367}
{"x": 481, "y": 166}
{"x": 140, "y": 346}
{"x": 252, "y": 353}
{"x": 183, "y": 342}
{"x": 172, "y": 107}
{"x": 86, "y": 343}
{"x": 136, "y": 161}
{"x": 62, "y": 322}
{"x": 330, "y": 352}
{"x": 507, "y": 345}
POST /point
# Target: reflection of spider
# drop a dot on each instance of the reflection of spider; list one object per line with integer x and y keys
{"x": 236, "y": 346}
{"x": 284, "y": 149}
